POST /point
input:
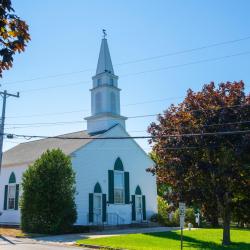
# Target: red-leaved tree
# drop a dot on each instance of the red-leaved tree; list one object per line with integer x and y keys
{"x": 202, "y": 147}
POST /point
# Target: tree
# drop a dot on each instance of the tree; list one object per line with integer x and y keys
{"x": 13, "y": 35}
{"x": 206, "y": 159}
{"x": 47, "y": 202}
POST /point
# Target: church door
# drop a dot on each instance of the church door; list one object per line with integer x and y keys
{"x": 138, "y": 207}
{"x": 97, "y": 208}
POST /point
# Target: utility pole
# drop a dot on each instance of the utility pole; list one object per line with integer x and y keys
{"x": 4, "y": 94}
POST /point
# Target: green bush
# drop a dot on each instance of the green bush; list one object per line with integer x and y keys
{"x": 162, "y": 210}
{"x": 189, "y": 216}
{"x": 48, "y": 203}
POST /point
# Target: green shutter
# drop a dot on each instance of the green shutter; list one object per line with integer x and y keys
{"x": 111, "y": 186}
{"x": 126, "y": 181}
{"x": 91, "y": 208}
{"x": 5, "y": 197}
{"x": 17, "y": 197}
{"x": 144, "y": 208}
{"x": 104, "y": 207}
{"x": 133, "y": 207}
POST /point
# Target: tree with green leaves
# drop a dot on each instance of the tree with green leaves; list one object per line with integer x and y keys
{"x": 48, "y": 199}
{"x": 13, "y": 35}
{"x": 202, "y": 146}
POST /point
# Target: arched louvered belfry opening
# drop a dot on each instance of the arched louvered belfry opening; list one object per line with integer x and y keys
{"x": 98, "y": 102}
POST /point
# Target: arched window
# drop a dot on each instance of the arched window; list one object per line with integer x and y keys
{"x": 118, "y": 184}
{"x": 11, "y": 193}
{"x": 98, "y": 102}
{"x": 97, "y": 205}
{"x": 113, "y": 102}
{"x": 138, "y": 206}
{"x": 119, "y": 181}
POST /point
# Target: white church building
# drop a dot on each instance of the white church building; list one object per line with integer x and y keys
{"x": 112, "y": 184}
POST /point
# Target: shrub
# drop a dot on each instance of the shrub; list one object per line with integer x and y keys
{"x": 48, "y": 203}
{"x": 162, "y": 211}
{"x": 189, "y": 216}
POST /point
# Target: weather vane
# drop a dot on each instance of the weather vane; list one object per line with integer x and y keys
{"x": 104, "y": 33}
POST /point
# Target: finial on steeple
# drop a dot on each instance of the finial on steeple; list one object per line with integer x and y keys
{"x": 104, "y": 33}
{"x": 104, "y": 60}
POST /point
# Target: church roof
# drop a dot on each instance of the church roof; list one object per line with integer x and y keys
{"x": 104, "y": 60}
{"x": 28, "y": 152}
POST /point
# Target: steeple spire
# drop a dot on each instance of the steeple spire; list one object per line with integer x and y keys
{"x": 104, "y": 60}
{"x": 105, "y": 94}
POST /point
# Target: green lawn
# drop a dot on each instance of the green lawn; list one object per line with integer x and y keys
{"x": 196, "y": 239}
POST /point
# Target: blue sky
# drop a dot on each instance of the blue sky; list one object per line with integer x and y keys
{"x": 66, "y": 37}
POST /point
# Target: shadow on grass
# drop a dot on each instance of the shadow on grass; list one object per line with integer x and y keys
{"x": 189, "y": 242}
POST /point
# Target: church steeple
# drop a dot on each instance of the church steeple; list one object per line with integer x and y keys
{"x": 105, "y": 94}
{"x": 104, "y": 60}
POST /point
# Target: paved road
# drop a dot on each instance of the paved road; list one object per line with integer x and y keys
{"x": 63, "y": 242}
{"x": 71, "y": 238}
{"x": 37, "y": 247}
{"x": 26, "y": 244}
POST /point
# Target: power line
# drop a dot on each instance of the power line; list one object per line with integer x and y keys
{"x": 132, "y": 117}
{"x": 148, "y": 71}
{"x": 188, "y": 64}
{"x": 28, "y": 137}
{"x": 66, "y": 123}
{"x": 138, "y": 60}
{"x": 80, "y": 110}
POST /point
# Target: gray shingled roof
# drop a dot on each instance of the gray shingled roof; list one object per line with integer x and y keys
{"x": 26, "y": 153}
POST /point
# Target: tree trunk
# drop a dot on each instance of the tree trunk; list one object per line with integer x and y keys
{"x": 226, "y": 222}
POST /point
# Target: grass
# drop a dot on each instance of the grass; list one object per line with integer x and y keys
{"x": 196, "y": 239}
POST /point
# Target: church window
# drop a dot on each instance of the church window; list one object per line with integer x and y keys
{"x": 113, "y": 102}
{"x": 118, "y": 184}
{"x": 11, "y": 196}
{"x": 97, "y": 205}
{"x": 118, "y": 187}
{"x": 111, "y": 81}
{"x": 98, "y": 101}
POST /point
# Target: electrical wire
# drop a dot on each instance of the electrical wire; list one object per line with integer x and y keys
{"x": 131, "y": 117}
{"x": 147, "y": 71}
{"x": 236, "y": 132}
{"x": 138, "y": 60}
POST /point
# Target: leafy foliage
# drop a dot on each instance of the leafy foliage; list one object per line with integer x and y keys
{"x": 204, "y": 169}
{"x": 13, "y": 35}
{"x": 47, "y": 203}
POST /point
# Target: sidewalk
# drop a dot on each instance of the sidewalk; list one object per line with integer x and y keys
{"x": 69, "y": 239}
